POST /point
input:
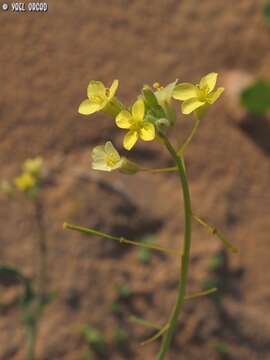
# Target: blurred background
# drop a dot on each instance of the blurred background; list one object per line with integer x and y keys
{"x": 46, "y": 62}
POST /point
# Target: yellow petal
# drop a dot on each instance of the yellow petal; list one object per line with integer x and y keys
{"x": 87, "y": 107}
{"x": 184, "y": 91}
{"x": 138, "y": 110}
{"x": 33, "y": 166}
{"x": 130, "y": 139}
{"x": 98, "y": 153}
{"x": 96, "y": 88}
{"x": 113, "y": 89}
{"x": 147, "y": 132}
{"x": 209, "y": 81}
{"x": 215, "y": 95}
{"x": 190, "y": 105}
{"x": 25, "y": 182}
{"x": 164, "y": 95}
{"x": 111, "y": 150}
{"x": 100, "y": 165}
{"x": 123, "y": 119}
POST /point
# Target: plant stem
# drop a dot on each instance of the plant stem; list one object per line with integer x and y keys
{"x": 41, "y": 277}
{"x": 42, "y": 249}
{"x": 186, "y": 252}
{"x": 190, "y": 137}
{"x": 160, "y": 170}
{"x": 121, "y": 240}
{"x": 32, "y": 336}
{"x": 145, "y": 323}
{"x": 200, "y": 293}
{"x": 214, "y": 231}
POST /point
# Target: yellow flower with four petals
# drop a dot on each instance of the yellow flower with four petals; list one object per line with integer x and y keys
{"x": 138, "y": 127}
{"x": 25, "y": 182}
{"x": 33, "y": 166}
{"x": 106, "y": 158}
{"x": 99, "y": 97}
{"x": 197, "y": 96}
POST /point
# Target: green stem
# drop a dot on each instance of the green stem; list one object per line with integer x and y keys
{"x": 32, "y": 336}
{"x": 214, "y": 231}
{"x": 186, "y": 252}
{"x": 121, "y": 240}
{"x": 160, "y": 170}
{"x": 188, "y": 140}
{"x": 41, "y": 277}
{"x": 42, "y": 249}
{"x": 145, "y": 323}
{"x": 200, "y": 293}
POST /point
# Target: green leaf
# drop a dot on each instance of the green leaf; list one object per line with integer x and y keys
{"x": 256, "y": 98}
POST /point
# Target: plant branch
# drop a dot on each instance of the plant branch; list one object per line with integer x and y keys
{"x": 213, "y": 231}
{"x": 121, "y": 240}
{"x": 160, "y": 170}
{"x": 183, "y": 147}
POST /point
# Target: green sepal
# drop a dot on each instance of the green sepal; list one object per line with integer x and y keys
{"x": 149, "y": 97}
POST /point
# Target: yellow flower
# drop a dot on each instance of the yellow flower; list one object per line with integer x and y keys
{"x": 33, "y": 166}
{"x": 164, "y": 97}
{"x": 98, "y": 97}
{"x": 6, "y": 187}
{"x": 164, "y": 94}
{"x": 106, "y": 158}
{"x": 196, "y": 96}
{"x": 25, "y": 182}
{"x": 136, "y": 124}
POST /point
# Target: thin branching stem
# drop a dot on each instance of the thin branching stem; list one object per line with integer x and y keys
{"x": 215, "y": 232}
{"x": 121, "y": 240}
{"x": 160, "y": 170}
{"x": 167, "y": 338}
{"x": 183, "y": 147}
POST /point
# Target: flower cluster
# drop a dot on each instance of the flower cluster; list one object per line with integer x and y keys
{"x": 152, "y": 113}
{"x": 28, "y": 181}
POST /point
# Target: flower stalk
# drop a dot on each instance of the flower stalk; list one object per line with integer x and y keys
{"x": 186, "y": 251}
{"x": 190, "y": 137}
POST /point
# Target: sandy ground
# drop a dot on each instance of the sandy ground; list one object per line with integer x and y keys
{"x": 46, "y": 61}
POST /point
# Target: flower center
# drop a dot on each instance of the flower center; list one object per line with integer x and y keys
{"x": 136, "y": 125}
{"x": 98, "y": 99}
{"x": 111, "y": 160}
{"x": 202, "y": 93}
